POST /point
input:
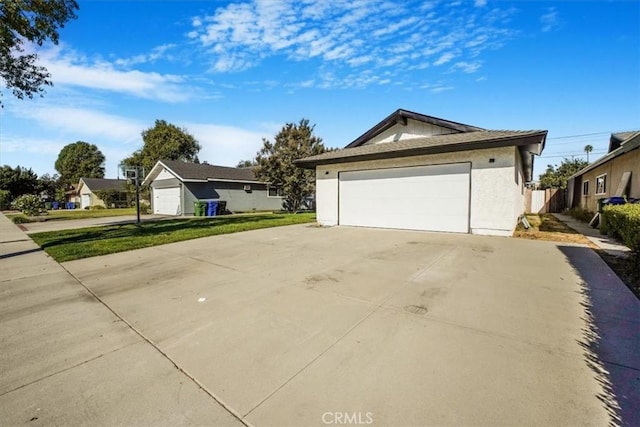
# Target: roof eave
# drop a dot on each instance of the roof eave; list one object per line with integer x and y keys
{"x": 526, "y": 143}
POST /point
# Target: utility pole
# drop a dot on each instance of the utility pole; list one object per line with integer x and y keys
{"x": 137, "y": 198}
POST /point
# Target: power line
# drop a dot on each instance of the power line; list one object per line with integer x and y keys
{"x": 590, "y": 134}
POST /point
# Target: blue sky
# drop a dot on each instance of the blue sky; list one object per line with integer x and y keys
{"x": 232, "y": 73}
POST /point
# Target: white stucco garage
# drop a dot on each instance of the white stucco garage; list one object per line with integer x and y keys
{"x": 418, "y": 172}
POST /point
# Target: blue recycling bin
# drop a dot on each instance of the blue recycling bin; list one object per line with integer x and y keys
{"x": 55, "y": 205}
{"x": 212, "y": 208}
{"x": 71, "y": 205}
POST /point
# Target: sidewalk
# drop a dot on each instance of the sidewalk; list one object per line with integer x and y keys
{"x": 67, "y": 359}
{"x": 604, "y": 242}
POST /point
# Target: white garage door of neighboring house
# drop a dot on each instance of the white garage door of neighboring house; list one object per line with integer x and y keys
{"x": 166, "y": 201}
{"x": 434, "y": 198}
{"x": 85, "y": 200}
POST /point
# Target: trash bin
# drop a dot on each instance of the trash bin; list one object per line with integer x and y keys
{"x": 71, "y": 205}
{"x": 55, "y": 205}
{"x": 212, "y": 208}
{"x": 199, "y": 208}
{"x": 222, "y": 207}
{"x": 47, "y": 205}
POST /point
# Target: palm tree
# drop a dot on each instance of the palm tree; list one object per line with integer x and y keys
{"x": 587, "y": 149}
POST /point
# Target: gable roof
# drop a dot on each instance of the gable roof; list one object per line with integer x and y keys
{"x": 632, "y": 142}
{"x": 99, "y": 184}
{"x": 531, "y": 141}
{"x": 200, "y": 172}
{"x": 401, "y": 116}
{"x": 619, "y": 138}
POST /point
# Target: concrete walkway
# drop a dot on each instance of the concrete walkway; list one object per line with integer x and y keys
{"x": 67, "y": 359}
{"x": 608, "y": 244}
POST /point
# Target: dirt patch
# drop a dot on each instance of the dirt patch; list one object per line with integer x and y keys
{"x": 624, "y": 269}
{"x": 547, "y": 227}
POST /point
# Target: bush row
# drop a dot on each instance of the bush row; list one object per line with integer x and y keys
{"x": 622, "y": 221}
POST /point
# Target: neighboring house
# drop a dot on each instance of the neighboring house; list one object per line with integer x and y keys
{"x": 175, "y": 186}
{"x": 615, "y": 174}
{"x": 418, "y": 172}
{"x": 87, "y": 188}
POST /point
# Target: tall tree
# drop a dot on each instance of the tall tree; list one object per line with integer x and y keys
{"x": 164, "y": 141}
{"x": 246, "y": 164}
{"x": 79, "y": 160}
{"x": 557, "y": 176}
{"x": 18, "y": 181}
{"x": 33, "y": 21}
{"x": 587, "y": 149}
{"x": 47, "y": 186}
{"x": 275, "y": 162}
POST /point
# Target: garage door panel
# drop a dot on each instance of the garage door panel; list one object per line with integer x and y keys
{"x": 432, "y": 198}
{"x": 166, "y": 201}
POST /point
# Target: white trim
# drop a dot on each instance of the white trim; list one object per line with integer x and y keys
{"x": 231, "y": 180}
{"x": 604, "y": 175}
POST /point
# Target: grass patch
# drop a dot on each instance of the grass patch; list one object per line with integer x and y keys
{"x": 69, "y": 245}
{"x": 65, "y": 215}
{"x": 548, "y": 227}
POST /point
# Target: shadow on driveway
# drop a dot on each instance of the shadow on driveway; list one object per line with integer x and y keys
{"x": 611, "y": 338}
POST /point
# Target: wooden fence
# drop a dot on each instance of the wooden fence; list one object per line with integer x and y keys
{"x": 544, "y": 201}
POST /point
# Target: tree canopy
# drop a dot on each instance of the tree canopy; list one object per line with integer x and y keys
{"x": 557, "y": 176}
{"x": 79, "y": 160}
{"x": 34, "y": 21}
{"x": 275, "y": 162}
{"x": 164, "y": 141}
{"x": 18, "y": 181}
{"x": 246, "y": 164}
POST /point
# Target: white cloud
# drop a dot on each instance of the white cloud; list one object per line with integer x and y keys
{"x": 158, "y": 52}
{"x": 550, "y": 21}
{"x": 349, "y": 35}
{"x": 68, "y": 68}
{"x": 86, "y": 124}
{"x": 444, "y": 58}
{"x": 227, "y": 145}
{"x": 467, "y": 67}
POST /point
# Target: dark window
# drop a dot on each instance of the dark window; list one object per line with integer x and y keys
{"x": 274, "y": 191}
{"x": 585, "y": 188}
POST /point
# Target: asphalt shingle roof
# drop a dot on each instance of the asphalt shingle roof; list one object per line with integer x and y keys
{"x": 424, "y": 145}
{"x": 200, "y": 171}
{"x": 99, "y": 184}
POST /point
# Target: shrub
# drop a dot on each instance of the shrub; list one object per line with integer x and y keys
{"x": 623, "y": 221}
{"x": 96, "y": 207}
{"x": 581, "y": 214}
{"x": 5, "y": 199}
{"x": 21, "y": 219}
{"x": 29, "y": 204}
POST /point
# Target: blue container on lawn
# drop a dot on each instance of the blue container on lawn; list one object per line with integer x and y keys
{"x": 212, "y": 208}
{"x": 55, "y": 205}
{"x": 71, "y": 205}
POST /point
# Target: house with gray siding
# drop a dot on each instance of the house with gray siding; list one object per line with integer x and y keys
{"x": 175, "y": 186}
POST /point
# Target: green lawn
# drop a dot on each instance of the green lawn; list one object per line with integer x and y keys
{"x": 63, "y": 214}
{"x": 68, "y": 245}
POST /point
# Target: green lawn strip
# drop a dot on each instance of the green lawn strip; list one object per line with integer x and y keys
{"x": 65, "y": 215}
{"x": 68, "y": 245}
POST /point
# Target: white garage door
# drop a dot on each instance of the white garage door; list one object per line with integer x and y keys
{"x": 434, "y": 198}
{"x": 166, "y": 201}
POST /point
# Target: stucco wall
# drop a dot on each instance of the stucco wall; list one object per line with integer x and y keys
{"x": 93, "y": 199}
{"x": 496, "y": 199}
{"x": 413, "y": 129}
{"x": 238, "y": 199}
{"x": 614, "y": 170}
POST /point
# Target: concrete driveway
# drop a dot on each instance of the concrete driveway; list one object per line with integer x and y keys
{"x": 310, "y": 326}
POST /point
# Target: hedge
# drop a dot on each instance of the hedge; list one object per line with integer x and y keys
{"x": 622, "y": 221}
